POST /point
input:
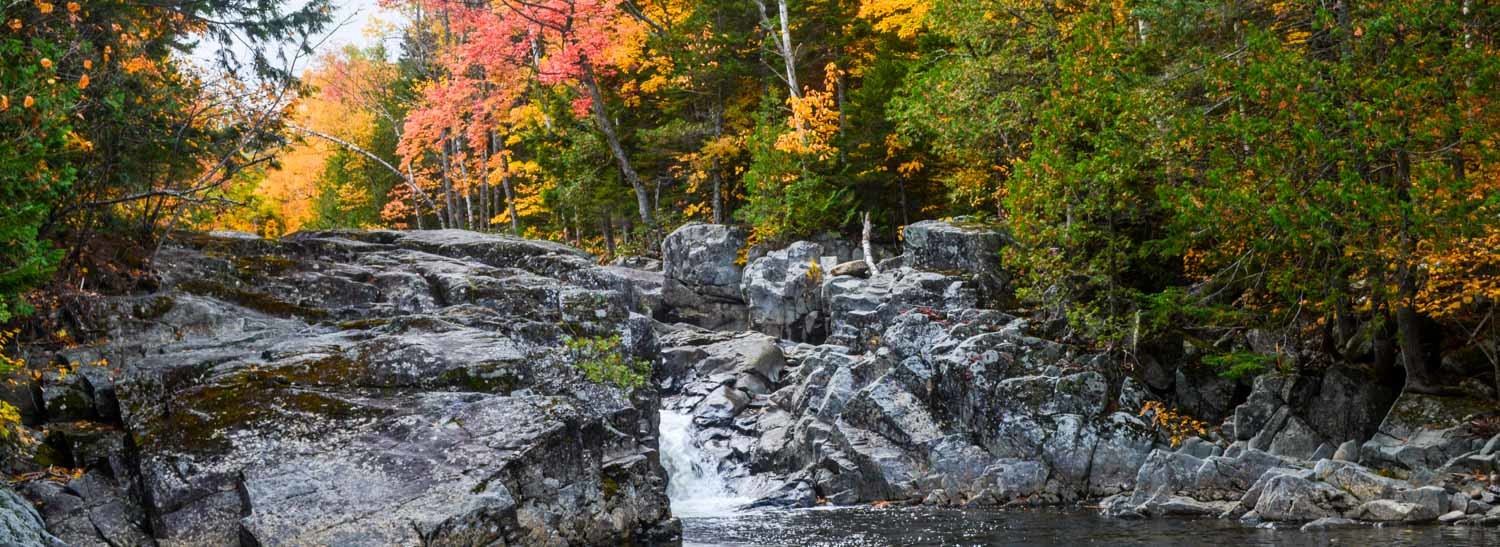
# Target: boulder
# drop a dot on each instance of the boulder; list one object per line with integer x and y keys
{"x": 1358, "y": 481}
{"x": 91, "y": 510}
{"x": 782, "y": 290}
{"x": 1331, "y": 523}
{"x": 703, "y": 276}
{"x": 705, "y": 259}
{"x": 21, "y": 525}
{"x": 1292, "y": 497}
{"x": 958, "y": 247}
{"x": 1424, "y": 432}
{"x": 854, "y": 268}
{"x": 1393, "y": 511}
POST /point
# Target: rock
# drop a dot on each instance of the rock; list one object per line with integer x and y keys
{"x": 1348, "y": 451}
{"x": 92, "y": 510}
{"x": 783, "y": 292}
{"x": 788, "y": 495}
{"x": 952, "y": 246}
{"x": 749, "y": 361}
{"x": 1289, "y": 497}
{"x": 1451, "y": 517}
{"x": 1433, "y": 500}
{"x": 66, "y": 397}
{"x": 637, "y": 263}
{"x": 938, "y": 497}
{"x": 859, "y": 309}
{"x": 373, "y": 388}
{"x": 1357, "y": 480}
{"x": 1185, "y": 506}
{"x": 704, "y": 258}
{"x": 855, "y": 268}
{"x": 703, "y": 276}
{"x": 1423, "y": 432}
{"x": 21, "y": 525}
{"x": 1331, "y": 523}
{"x": 1203, "y": 393}
{"x": 1198, "y": 448}
{"x": 1297, "y": 413}
{"x": 1015, "y": 478}
{"x": 1393, "y": 511}
{"x": 1349, "y": 403}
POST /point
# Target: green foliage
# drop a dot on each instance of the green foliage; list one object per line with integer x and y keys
{"x": 102, "y": 119}
{"x": 788, "y": 195}
{"x": 1238, "y": 364}
{"x": 603, "y": 360}
{"x": 35, "y": 148}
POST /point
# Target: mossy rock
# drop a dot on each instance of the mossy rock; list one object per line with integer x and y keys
{"x": 261, "y": 266}
{"x": 153, "y": 308}
{"x": 250, "y": 299}
{"x": 1414, "y": 411}
{"x": 484, "y": 378}
{"x": 201, "y": 418}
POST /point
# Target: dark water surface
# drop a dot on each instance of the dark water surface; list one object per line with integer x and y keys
{"x": 864, "y": 526}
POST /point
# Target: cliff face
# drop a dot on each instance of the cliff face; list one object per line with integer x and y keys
{"x": 369, "y": 388}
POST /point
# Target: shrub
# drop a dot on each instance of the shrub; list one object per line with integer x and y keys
{"x": 603, "y": 360}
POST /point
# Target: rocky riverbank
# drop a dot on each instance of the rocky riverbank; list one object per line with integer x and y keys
{"x": 374, "y": 388}
{"x": 912, "y": 386}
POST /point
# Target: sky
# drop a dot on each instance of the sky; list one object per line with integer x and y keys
{"x": 358, "y": 14}
{"x": 351, "y": 20}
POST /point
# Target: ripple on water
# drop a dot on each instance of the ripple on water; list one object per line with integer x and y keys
{"x": 865, "y": 526}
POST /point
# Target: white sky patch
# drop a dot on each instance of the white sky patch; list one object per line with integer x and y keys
{"x": 351, "y": 25}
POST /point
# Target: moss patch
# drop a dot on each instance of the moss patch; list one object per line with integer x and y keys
{"x": 153, "y": 308}
{"x": 198, "y": 420}
{"x": 260, "y": 266}
{"x": 483, "y": 378}
{"x": 250, "y": 299}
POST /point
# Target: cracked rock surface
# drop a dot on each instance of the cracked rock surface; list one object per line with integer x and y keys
{"x": 364, "y": 388}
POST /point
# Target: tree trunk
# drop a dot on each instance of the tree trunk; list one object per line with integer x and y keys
{"x": 718, "y": 193}
{"x": 869, "y": 250}
{"x": 483, "y": 188}
{"x": 782, "y": 36}
{"x": 1408, "y": 321}
{"x": 447, "y": 188}
{"x": 607, "y": 127}
{"x": 510, "y": 200}
{"x": 606, "y": 227}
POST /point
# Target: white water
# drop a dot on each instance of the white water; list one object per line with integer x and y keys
{"x": 693, "y": 481}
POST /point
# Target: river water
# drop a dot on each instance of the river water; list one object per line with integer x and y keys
{"x": 864, "y": 526}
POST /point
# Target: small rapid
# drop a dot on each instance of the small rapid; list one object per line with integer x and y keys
{"x": 693, "y": 481}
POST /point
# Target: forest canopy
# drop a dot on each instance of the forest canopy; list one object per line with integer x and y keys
{"x": 1326, "y": 169}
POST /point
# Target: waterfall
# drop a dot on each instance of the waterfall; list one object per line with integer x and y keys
{"x": 693, "y": 481}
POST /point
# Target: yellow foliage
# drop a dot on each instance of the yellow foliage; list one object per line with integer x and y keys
{"x": 1461, "y": 276}
{"x": 1177, "y": 426}
{"x": 904, "y": 17}
{"x": 814, "y": 121}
